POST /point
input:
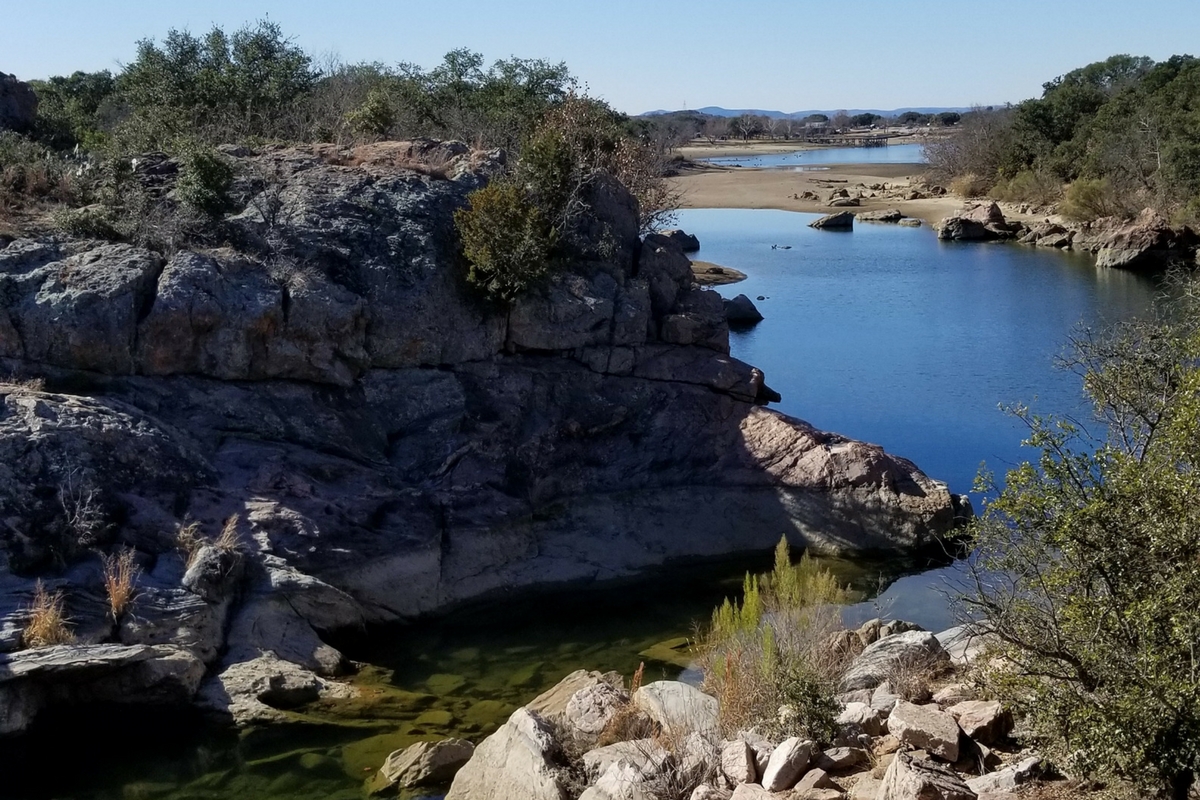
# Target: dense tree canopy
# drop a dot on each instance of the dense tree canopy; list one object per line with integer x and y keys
{"x": 1127, "y": 121}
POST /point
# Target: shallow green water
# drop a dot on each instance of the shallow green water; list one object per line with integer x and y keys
{"x": 460, "y": 675}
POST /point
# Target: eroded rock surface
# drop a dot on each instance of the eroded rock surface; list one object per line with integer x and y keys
{"x": 387, "y": 442}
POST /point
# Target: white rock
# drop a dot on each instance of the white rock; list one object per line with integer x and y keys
{"x": 984, "y": 721}
{"x": 515, "y": 761}
{"x": 738, "y": 763}
{"x": 423, "y": 764}
{"x": 1007, "y": 779}
{"x": 679, "y": 708}
{"x": 620, "y": 782}
{"x": 910, "y": 779}
{"x": 787, "y": 764}
{"x": 912, "y": 649}
{"x": 861, "y": 718}
{"x": 925, "y": 728}
{"x": 645, "y": 754}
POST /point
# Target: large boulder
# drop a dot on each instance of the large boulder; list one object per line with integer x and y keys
{"x": 985, "y": 721}
{"x": 18, "y": 104}
{"x": 909, "y": 651}
{"x": 882, "y": 215}
{"x": 788, "y": 763}
{"x": 1145, "y": 244}
{"x": 67, "y": 676}
{"x": 519, "y": 760}
{"x": 843, "y": 220}
{"x": 738, "y": 763}
{"x": 741, "y": 312}
{"x": 678, "y": 708}
{"x": 687, "y": 242}
{"x": 926, "y": 728}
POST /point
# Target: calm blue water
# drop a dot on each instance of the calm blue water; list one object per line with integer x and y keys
{"x": 893, "y": 154}
{"x": 887, "y": 335}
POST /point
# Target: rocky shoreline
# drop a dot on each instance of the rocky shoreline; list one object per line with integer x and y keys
{"x": 312, "y": 425}
{"x": 595, "y": 738}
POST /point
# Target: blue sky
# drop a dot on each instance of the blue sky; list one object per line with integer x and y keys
{"x": 778, "y": 54}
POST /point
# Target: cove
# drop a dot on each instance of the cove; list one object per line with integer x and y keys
{"x": 883, "y": 334}
{"x": 886, "y": 334}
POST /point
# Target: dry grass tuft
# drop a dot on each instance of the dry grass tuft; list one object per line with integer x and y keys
{"x": 120, "y": 578}
{"x": 230, "y": 539}
{"x": 189, "y": 539}
{"x": 630, "y": 722}
{"x": 912, "y": 679}
{"x": 47, "y": 625}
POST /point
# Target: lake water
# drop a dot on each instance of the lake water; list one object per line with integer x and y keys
{"x": 888, "y": 335}
{"x": 883, "y": 334}
{"x": 823, "y": 157}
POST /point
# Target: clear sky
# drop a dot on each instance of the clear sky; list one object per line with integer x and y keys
{"x": 775, "y": 54}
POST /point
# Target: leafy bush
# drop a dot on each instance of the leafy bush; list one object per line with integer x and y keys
{"x": 1085, "y": 572}
{"x": 772, "y": 660}
{"x": 375, "y": 117}
{"x": 1028, "y": 187}
{"x": 507, "y": 240}
{"x": 90, "y": 222}
{"x": 204, "y": 181}
{"x": 969, "y": 185}
{"x": 1088, "y": 199}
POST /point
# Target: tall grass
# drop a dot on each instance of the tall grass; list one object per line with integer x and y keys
{"x": 47, "y": 621}
{"x": 120, "y": 579}
{"x": 773, "y": 660}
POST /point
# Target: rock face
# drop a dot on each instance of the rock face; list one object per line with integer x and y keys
{"x": 787, "y": 764}
{"x": 387, "y": 442}
{"x": 1146, "y": 244}
{"x": 74, "y": 676}
{"x": 18, "y": 104}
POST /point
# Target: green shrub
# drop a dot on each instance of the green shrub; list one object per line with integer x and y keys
{"x": 772, "y": 660}
{"x": 375, "y": 117}
{"x": 204, "y": 181}
{"x": 90, "y": 222}
{"x": 1028, "y": 187}
{"x": 507, "y": 240}
{"x": 1091, "y": 198}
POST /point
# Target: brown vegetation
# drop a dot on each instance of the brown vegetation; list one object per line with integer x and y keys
{"x": 47, "y": 623}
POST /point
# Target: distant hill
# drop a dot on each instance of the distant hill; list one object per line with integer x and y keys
{"x": 718, "y": 111}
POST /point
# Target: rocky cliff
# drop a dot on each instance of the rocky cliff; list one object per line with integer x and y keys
{"x": 312, "y": 424}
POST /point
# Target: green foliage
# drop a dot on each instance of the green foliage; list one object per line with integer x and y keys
{"x": 375, "y": 117}
{"x": 220, "y": 86}
{"x": 1126, "y": 120}
{"x": 71, "y": 109}
{"x": 89, "y": 222}
{"x": 771, "y": 659}
{"x": 1028, "y": 187}
{"x": 204, "y": 181}
{"x": 1086, "y": 569}
{"x": 507, "y": 240}
{"x": 1092, "y": 198}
